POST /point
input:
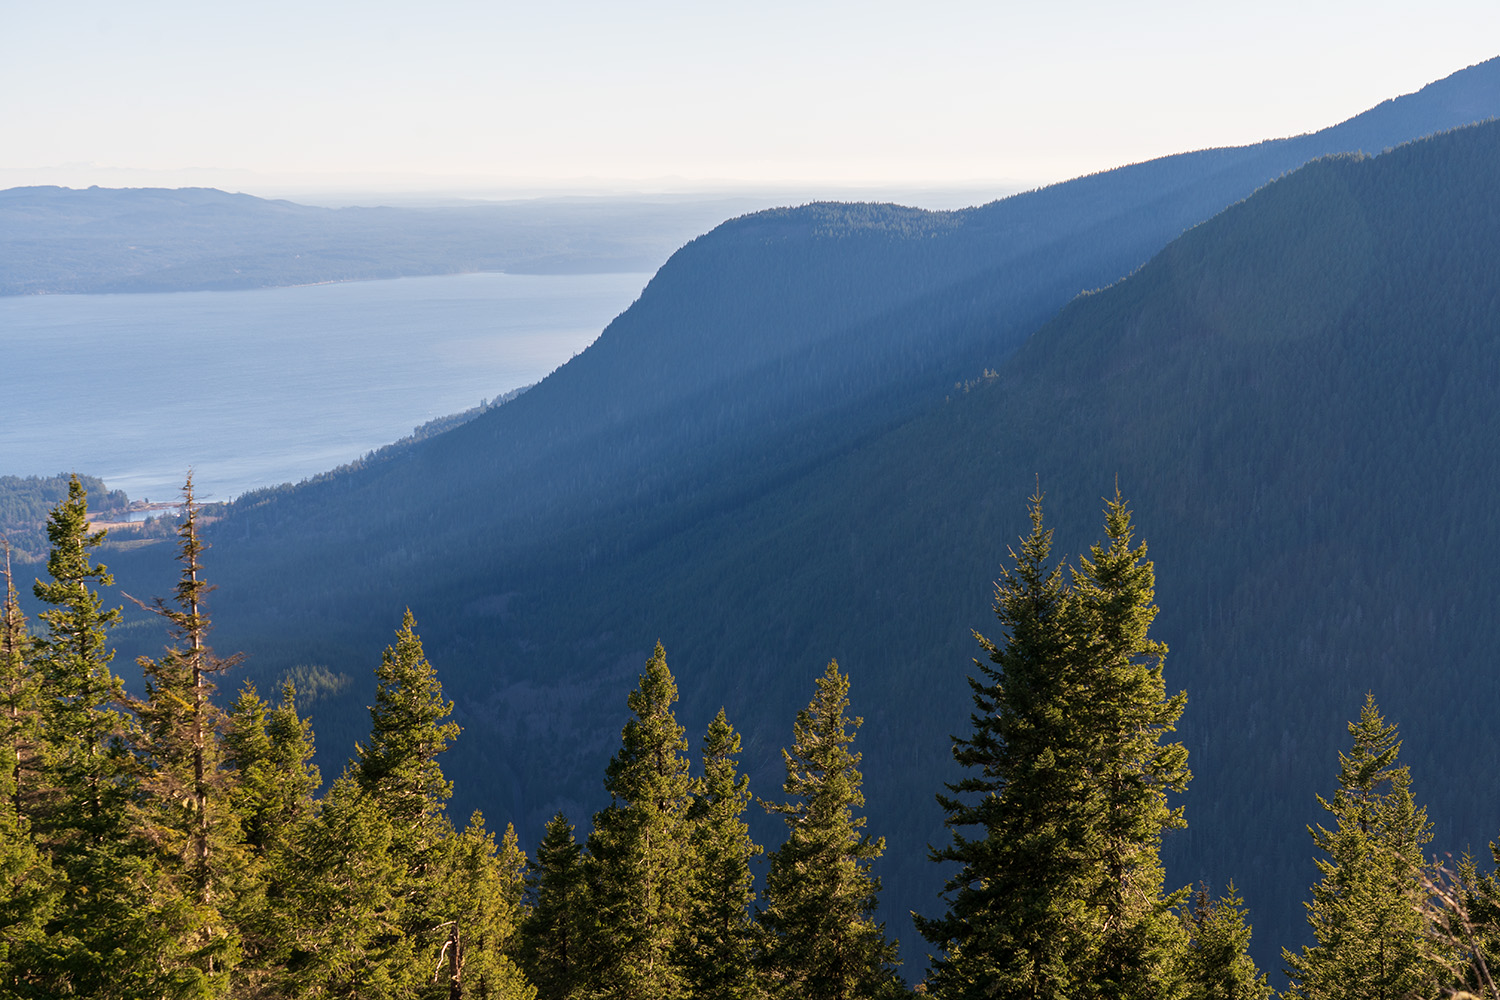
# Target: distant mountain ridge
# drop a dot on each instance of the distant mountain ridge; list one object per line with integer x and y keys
{"x": 765, "y": 462}
{"x": 59, "y": 240}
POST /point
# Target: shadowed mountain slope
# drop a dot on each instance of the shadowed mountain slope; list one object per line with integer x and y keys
{"x": 1302, "y": 399}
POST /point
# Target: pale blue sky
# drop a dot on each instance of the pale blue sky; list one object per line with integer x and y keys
{"x": 655, "y": 95}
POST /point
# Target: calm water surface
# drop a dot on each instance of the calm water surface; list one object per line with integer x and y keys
{"x": 253, "y": 388}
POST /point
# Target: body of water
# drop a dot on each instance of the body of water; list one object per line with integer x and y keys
{"x": 254, "y": 388}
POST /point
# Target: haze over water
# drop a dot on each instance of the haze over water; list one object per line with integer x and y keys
{"x": 254, "y": 388}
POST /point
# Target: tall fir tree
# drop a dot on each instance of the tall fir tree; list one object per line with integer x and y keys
{"x": 186, "y": 809}
{"x": 482, "y": 895}
{"x": 399, "y": 770}
{"x": 1059, "y": 886}
{"x": 638, "y": 856}
{"x": 29, "y": 889}
{"x": 823, "y": 941}
{"x": 271, "y": 751}
{"x": 551, "y": 945}
{"x": 718, "y": 952}
{"x": 83, "y": 755}
{"x": 1018, "y": 819}
{"x": 1366, "y": 912}
{"x": 118, "y": 930}
{"x": 1216, "y": 963}
{"x": 1128, "y": 717}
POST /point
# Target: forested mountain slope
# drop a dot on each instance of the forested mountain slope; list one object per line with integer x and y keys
{"x": 782, "y": 336}
{"x": 756, "y": 463}
{"x": 1301, "y": 399}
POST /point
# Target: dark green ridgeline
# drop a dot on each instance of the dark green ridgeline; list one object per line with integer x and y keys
{"x": 1307, "y": 457}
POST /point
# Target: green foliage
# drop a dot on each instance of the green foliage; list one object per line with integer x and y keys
{"x": 185, "y": 809}
{"x": 399, "y": 765}
{"x": 1125, "y": 716}
{"x": 551, "y": 945}
{"x": 345, "y": 887}
{"x": 1059, "y": 889}
{"x": 270, "y": 751}
{"x": 83, "y": 755}
{"x": 29, "y": 889}
{"x": 1217, "y": 963}
{"x": 481, "y": 893}
{"x": 639, "y": 862}
{"x": 823, "y": 943}
{"x": 718, "y": 949}
{"x": 1367, "y": 911}
{"x": 1017, "y": 924}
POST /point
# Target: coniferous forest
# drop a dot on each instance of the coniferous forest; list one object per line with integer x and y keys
{"x": 165, "y": 846}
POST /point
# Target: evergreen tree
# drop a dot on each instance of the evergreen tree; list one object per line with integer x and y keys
{"x": 398, "y": 769}
{"x": 483, "y": 896}
{"x": 271, "y": 752}
{"x": 1217, "y": 963}
{"x": 399, "y": 765}
{"x": 1016, "y": 923}
{"x": 29, "y": 889}
{"x": 19, "y": 698}
{"x": 1059, "y": 890}
{"x": 1367, "y": 911}
{"x": 639, "y": 870}
{"x": 346, "y": 888}
{"x": 185, "y": 810}
{"x": 86, "y": 767}
{"x": 1127, "y": 715}
{"x": 551, "y": 946}
{"x": 719, "y": 949}
{"x": 823, "y": 942}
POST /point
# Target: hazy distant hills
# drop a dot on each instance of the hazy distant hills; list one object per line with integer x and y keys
{"x": 59, "y": 240}
{"x": 765, "y": 462}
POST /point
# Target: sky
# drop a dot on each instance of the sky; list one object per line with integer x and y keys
{"x": 498, "y": 98}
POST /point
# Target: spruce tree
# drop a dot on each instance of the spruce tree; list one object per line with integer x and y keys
{"x": 271, "y": 752}
{"x": 113, "y": 934}
{"x": 83, "y": 755}
{"x": 1216, "y": 963}
{"x": 185, "y": 810}
{"x": 399, "y": 765}
{"x": 29, "y": 889}
{"x": 823, "y": 942}
{"x": 550, "y": 949}
{"x": 399, "y": 770}
{"x": 718, "y": 952}
{"x": 1128, "y": 716}
{"x": 1059, "y": 889}
{"x": 1018, "y": 819}
{"x": 639, "y": 870}
{"x": 1366, "y": 913}
{"x": 482, "y": 895}
{"x": 346, "y": 889}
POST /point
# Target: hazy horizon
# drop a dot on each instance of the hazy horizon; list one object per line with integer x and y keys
{"x": 343, "y": 104}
